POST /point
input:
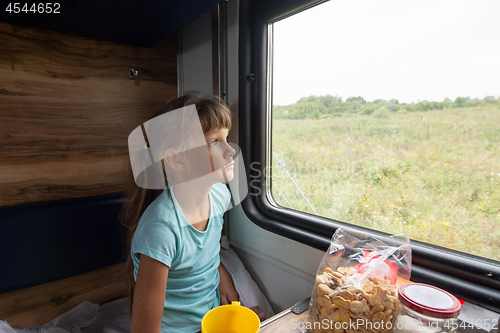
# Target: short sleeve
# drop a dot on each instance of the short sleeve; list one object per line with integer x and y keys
{"x": 157, "y": 240}
{"x": 222, "y": 197}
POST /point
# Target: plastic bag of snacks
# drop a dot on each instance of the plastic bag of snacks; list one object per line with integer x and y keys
{"x": 356, "y": 283}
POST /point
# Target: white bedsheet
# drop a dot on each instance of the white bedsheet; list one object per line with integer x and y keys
{"x": 87, "y": 317}
{"x": 247, "y": 289}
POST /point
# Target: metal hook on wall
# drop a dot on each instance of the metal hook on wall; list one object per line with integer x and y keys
{"x": 132, "y": 73}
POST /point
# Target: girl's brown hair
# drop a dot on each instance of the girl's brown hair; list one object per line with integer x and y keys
{"x": 213, "y": 114}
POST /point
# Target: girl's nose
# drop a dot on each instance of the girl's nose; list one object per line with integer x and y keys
{"x": 229, "y": 151}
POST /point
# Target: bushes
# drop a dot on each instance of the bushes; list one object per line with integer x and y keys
{"x": 315, "y": 107}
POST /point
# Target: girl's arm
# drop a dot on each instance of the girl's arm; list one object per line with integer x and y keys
{"x": 149, "y": 296}
{"x": 226, "y": 287}
{"x": 228, "y": 293}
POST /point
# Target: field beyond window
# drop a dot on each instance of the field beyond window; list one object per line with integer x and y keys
{"x": 386, "y": 115}
{"x": 433, "y": 173}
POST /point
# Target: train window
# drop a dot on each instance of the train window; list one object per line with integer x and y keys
{"x": 386, "y": 115}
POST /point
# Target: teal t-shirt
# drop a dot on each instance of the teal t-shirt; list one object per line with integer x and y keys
{"x": 164, "y": 234}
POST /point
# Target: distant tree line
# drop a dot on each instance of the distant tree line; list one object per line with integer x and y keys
{"x": 316, "y": 106}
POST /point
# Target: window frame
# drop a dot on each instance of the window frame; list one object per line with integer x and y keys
{"x": 473, "y": 279}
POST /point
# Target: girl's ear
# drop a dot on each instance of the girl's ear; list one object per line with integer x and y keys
{"x": 174, "y": 159}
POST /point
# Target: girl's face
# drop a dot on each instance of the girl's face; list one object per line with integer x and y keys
{"x": 221, "y": 154}
{"x": 213, "y": 165}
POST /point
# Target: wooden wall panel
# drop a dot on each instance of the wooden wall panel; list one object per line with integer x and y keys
{"x": 67, "y": 107}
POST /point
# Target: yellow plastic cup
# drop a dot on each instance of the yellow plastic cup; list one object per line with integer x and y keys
{"x": 231, "y": 318}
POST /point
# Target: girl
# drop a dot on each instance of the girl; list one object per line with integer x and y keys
{"x": 174, "y": 271}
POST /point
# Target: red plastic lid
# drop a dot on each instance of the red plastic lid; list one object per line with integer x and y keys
{"x": 429, "y": 300}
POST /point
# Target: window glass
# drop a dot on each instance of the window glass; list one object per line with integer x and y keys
{"x": 386, "y": 115}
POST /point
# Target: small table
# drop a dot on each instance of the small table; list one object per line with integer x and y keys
{"x": 290, "y": 322}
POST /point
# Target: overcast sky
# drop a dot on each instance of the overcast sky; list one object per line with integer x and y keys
{"x": 405, "y": 49}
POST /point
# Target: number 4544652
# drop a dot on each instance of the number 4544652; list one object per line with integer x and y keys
{"x": 485, "y": 324}
{"x": 38, "y": 8}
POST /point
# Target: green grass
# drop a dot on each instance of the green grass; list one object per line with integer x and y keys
{"x": 435, "y": 174}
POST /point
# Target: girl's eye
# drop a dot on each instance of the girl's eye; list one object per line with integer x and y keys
{"x": 214, "y": 142}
